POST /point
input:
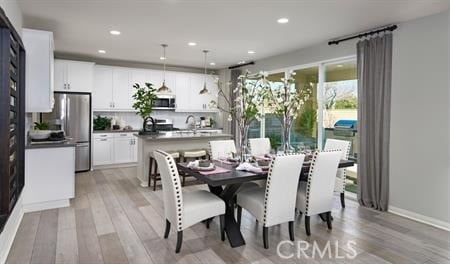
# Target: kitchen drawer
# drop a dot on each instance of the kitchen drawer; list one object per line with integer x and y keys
{"x": 123, "y": 135}
{"x": 103, "y": 135}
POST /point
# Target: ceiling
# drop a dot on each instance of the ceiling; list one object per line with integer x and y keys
{"x": 228, "y": 28}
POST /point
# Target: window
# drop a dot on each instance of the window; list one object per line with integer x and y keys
{"x": 304, "y": 129}
{"x": 272, "y": 125}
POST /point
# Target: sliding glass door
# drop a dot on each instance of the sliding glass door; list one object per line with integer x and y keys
{"x": 340, "y": 110}
{"x": 304, "y": 131}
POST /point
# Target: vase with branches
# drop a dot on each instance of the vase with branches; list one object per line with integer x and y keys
{"x": 286, "y": 102}
{"x": 244, "y": 108}
{"x": 144, "y": 98}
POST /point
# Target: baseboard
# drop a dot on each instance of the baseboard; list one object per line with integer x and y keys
{"x": 10, "y": 230}
{"x": 420, "y": 218}
{"x": 45, "y": 205}
{"x": 114, "y": 166}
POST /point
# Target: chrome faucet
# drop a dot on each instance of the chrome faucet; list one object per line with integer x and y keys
{"x": 195, "y": 122}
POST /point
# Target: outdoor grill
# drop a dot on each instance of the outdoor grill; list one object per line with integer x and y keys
{"x": 345, "y": 130}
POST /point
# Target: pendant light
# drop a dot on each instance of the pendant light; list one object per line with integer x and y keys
{"x": 164, "y": 88}
{"x": 204, "y": 90}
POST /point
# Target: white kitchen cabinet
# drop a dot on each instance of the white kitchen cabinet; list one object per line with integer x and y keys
{"x": 188, "y": 94}
{"x": 183, "y": 93}
{"x": 39, "y": 70}
{"x": 157, "y": 77}
{"x": 124, "y": 148}
{"x": 102, "y": 97}
{"x": 49, "y": 178}
{"x": 114, "y": 148}
{"x": 140, "y": 76}
{"x": 122, "y": 89}
{"x": 103, "y": 149}
{"x": 73, "y": 76}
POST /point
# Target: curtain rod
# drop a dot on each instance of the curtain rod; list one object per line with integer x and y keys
{"x": 240, "y": 65}
{"x": 362, "y": 34}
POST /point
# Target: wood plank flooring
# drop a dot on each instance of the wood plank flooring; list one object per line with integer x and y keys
{"x": 114, "y": 220}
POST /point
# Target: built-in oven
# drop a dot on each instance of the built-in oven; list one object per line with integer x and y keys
{"x": 164, "y": 102}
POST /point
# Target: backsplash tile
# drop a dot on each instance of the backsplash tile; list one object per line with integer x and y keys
{"x": 179, "y": 119}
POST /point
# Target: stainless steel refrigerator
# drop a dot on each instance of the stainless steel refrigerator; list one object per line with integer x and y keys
{"x": 72, "y": 114}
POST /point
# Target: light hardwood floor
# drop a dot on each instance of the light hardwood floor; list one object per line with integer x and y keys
{"x": 113, "y": 220}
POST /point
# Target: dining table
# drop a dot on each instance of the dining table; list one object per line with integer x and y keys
{"x": 226, "y": 181}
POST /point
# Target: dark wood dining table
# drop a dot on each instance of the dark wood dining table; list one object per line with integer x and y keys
{"x": 225, "y": 185}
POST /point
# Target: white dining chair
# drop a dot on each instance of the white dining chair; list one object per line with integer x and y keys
{"x": 316, "y": 195}
{"x": 184, "y": 209}
{"x": 259, "y": 146}
{"x": 221, "y": 148}
{"x": 274, "y": 204}
{"x": 344, "y": 146}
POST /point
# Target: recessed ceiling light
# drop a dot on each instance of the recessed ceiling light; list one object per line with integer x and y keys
{"x": 192, "y": 44}
{"x": 339, "y": 66}
{"x": 251, "y": 52}
{"x": 212, "y": 63}
{"x": 102, "y": 51}
{"x": 114, "y": 32}
{"x": 283, "y": 20}
{"x": 162, "y": 58}
{"x": 241, "y": 62}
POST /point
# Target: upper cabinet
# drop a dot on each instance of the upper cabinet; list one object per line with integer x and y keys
{"x": 73, "y": 76}
{"x": 188, "y": 94}
{"x": 113, "y": 88}
{"x": 39, "y": 70}
{"x": 102, "y": 97}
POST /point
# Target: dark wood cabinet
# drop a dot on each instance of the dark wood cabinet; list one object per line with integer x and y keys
{"x": 12, "y": 117}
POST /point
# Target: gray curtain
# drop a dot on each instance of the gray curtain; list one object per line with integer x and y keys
{"x": 234, "y": 80}
{"x": 374, "y": 62}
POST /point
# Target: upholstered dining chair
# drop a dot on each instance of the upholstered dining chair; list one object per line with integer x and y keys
{"x": 259, "y": 146}
{"x": 184, "y": 209}
{"x": 274, "y": 204}
{"x": 344, "y": 146}
{"x": 316, "y": 195}
{"x": 221, "y": 148}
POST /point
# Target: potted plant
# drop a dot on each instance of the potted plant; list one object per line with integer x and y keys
{"x": 245, "y": 108}
{"x": 102, "y": 123}
{"x": 144, "y": 98}
{"x": 285, "y": 102}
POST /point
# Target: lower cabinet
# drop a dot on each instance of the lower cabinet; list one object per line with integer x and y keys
{"x": 114, "y": 148}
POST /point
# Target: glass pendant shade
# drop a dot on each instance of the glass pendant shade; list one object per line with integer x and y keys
{"x": 204, "y": 90}
{"x": 164, "y": 88}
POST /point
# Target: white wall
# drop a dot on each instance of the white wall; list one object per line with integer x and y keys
{"x": 14, "y": 14}
{"x": 419, "y": 165}
{"x": 419, "y": 154}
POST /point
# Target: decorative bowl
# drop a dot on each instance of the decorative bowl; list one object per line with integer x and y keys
{"x": 263, "y": 163}
{"x": 39, "y": 134}
{"x": 204, "y": 163}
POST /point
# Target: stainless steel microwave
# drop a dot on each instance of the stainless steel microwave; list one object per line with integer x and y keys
{"x": 164, "y": 102}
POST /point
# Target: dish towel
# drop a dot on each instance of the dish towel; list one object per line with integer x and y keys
{"x": 249, "y": 167}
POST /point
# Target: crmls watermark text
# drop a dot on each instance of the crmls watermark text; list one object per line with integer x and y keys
{"x": 302, "y": 249}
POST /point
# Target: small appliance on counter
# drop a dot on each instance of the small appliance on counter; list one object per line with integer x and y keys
{"x": 161, "y": 125}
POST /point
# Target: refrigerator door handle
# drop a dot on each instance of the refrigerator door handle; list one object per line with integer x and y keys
{"x": 67, "y": 114}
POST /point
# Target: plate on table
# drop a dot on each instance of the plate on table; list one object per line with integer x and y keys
{"x": 211, "y": 167}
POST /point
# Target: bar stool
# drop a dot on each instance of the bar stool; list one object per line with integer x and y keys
{"x": 154, "y": 165}
{"x": 192, "y": 154}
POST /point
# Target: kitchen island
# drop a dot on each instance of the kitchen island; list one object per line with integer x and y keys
{"x": 170, "y": 141}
